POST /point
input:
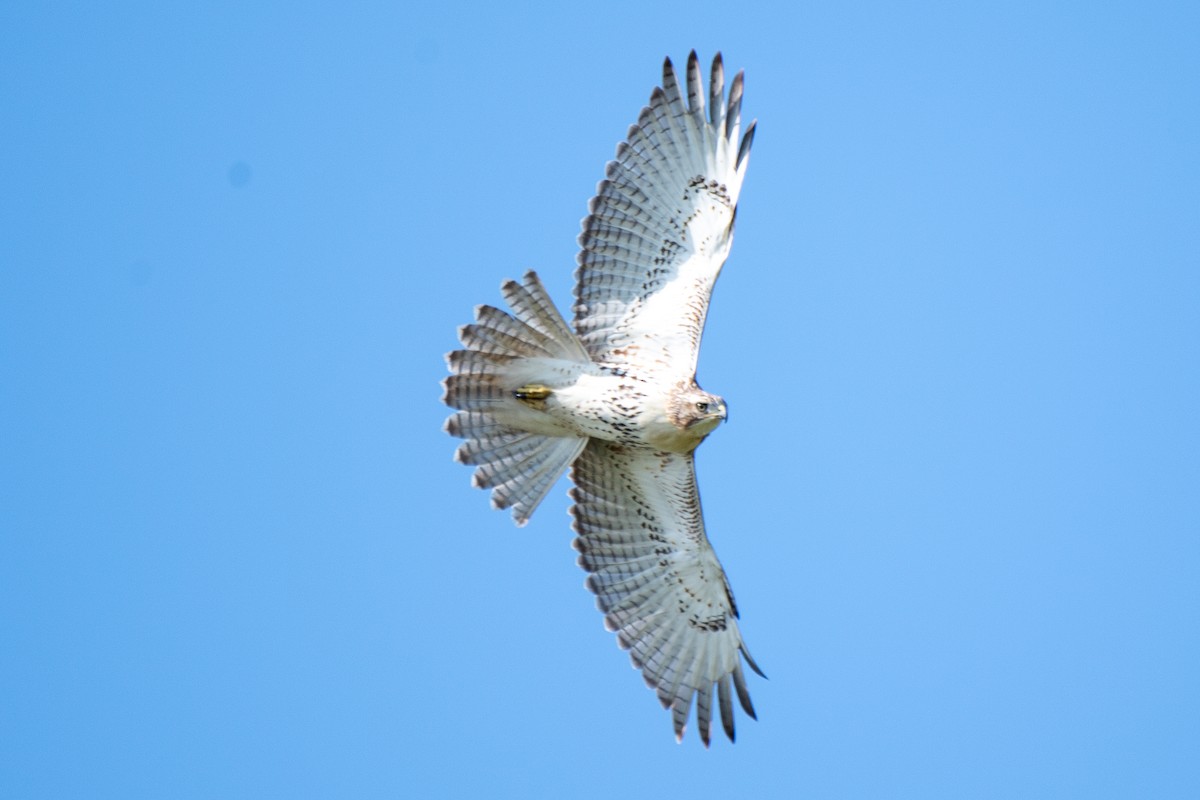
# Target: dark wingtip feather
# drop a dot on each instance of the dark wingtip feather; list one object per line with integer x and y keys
{"x": 744, "y": 148}
{"x": 734, "y": 110}
{"x": 679, "y": 717}
{"x": 716, "y": 91}
{"x": 725, "y": 702}
{"x": 695, "y": 87}
{"x": 750, "y": 662}
{"x": 671, "y": 92}
{"x": 743, "y": 694}
{"x": 704, "y": 713}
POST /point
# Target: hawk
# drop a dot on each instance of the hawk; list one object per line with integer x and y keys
{"x": 616, "y": 399}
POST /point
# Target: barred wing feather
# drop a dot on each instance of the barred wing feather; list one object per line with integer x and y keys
{"x": 661, "y": 224}
{"x": 658, "y": 581}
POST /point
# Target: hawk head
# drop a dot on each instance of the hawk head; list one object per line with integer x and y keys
{"x": 696, "y": 411}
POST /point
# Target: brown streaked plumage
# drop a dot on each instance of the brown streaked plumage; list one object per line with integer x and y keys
{"x": 616, "y": 400}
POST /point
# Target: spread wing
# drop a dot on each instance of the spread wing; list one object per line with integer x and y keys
{"x": 661, "y": 224}
{"x": 657, "y": 579}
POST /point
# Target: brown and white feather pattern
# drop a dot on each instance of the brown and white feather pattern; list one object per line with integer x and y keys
{"x": 657, "y": 580}
{"x": 611, "y": 398}
{"x": 660, "y": 226}
{"x": 519, "y": 464}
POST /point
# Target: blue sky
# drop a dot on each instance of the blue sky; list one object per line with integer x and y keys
{"x": 959, "y": 336}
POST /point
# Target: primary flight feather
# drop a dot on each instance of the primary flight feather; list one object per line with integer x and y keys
{"x": 616, "y": 399}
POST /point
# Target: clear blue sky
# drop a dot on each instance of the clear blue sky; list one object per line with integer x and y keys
{"x": 958, "y": 497}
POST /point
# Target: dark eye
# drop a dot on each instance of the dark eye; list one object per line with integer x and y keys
{"x": 702, "y": 407}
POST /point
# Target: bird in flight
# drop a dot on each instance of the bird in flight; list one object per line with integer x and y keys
{"x": 616, "y": 401}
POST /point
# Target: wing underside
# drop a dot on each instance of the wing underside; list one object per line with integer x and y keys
{"x": 661, "y": 224}
{"x": 658, "y": 581}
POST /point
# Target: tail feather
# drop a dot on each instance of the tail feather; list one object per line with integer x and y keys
{"x": 486, "y": 339}
{"x": 473, "y": 392}
{"x": 534, "y": 307}
{"x": 475, "y": 424}
{"x": 519, "y": 466}
{"x": 503, "y": 450}
{"x": 526, "y": 489}
{"x": 475, "y": 362}
{"x": 522, "y": 339}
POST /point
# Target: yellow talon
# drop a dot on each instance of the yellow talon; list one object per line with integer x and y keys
{"x": 532, "y": 391}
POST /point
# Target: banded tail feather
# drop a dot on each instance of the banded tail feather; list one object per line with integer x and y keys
{"x": 486, "y": 382}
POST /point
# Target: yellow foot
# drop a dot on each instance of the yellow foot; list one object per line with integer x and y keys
{"x": 532, "y": 391}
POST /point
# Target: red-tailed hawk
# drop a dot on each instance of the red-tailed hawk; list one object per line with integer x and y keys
{"x": 616, "y": 399}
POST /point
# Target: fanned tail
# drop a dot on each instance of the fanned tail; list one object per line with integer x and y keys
{"x": 518, "y": 464}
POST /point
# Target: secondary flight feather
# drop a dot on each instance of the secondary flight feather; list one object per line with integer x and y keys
{"x": 616, "y": 401}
